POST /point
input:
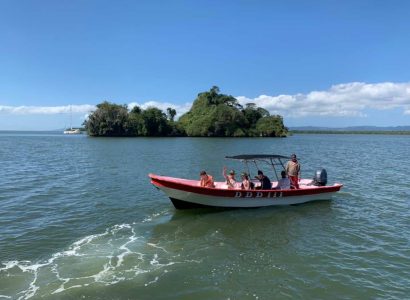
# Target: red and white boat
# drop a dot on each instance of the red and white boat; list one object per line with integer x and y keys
{"x": 186, "y": 193}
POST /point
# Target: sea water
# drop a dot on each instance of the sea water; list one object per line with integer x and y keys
{"x": 79, "y": 219}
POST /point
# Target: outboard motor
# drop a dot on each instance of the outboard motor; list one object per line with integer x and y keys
{"x": 320, "y": 178}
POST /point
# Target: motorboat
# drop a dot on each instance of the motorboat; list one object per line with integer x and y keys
{"x": 187, "y": 193}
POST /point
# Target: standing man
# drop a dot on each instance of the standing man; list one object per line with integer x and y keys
{"x": 293, "y": 171}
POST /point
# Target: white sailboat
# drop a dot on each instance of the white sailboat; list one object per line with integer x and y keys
{"x": 72, "y": 130}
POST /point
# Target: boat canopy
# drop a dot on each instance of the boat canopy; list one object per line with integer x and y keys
{"x": 273, "y": 160}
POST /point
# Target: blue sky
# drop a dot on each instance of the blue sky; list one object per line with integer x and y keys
{"x": 293, "y": 57}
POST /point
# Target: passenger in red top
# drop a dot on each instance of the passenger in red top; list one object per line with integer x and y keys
{"x": 206, "y": 180}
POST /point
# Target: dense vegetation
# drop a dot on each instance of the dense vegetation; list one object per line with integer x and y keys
{"x": 212, "y": 114}
{"x": 111, "y": 119}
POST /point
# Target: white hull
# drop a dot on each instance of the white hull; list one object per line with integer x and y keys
{"x": 72, "y": 131}
{"x": 217, "y": 201}
{"x": 185, "y": 193}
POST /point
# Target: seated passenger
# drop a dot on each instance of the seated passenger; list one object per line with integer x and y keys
{"x": 206, "y": 180}
{"x": 283, "y": 183}
{"x": 246, "y": 183}
{"x": 230, "y": 179}
{"x": 265, "y": 181}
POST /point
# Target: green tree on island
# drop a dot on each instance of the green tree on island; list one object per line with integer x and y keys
{"x": 108, "y": 119}
{"x": 171, "y": 113}
{"x": 211, "y": 114}
{"x": 215, "y": 114}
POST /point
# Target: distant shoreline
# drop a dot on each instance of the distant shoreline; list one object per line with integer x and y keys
{"x": 291, "y": 132}
{"x": 385, "y": 132}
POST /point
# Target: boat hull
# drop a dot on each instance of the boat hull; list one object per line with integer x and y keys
{"x": 186, "y": 194}
{"x": 72, "y": 131}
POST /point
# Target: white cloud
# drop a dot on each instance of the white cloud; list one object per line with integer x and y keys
{"x": 344, "y": 100}
{"x": 180, "y": 108}
{"x": 45, "y": 110}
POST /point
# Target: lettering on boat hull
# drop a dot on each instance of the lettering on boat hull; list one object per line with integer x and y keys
{"x": 251, "y": 194}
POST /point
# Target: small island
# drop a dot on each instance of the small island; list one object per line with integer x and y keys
{"x": 212, "y": 114}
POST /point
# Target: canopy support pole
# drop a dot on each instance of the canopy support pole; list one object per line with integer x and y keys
{"x": 274, "y": 169}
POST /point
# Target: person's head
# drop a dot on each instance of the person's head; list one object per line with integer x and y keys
{"x": 293, "y": 157}
{"x": 232, "y": 173}
{"x": 283, "y": 174}
{"x": 260, "y": 174}
{"x": 244, "y": 175}
{"x": 203, "y": 174}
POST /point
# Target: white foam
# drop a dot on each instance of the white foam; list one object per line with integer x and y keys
{"x": 9, "y": 265}
{"x": 156, "y": 246}
{"x": 154, "y": 215}
{"x": 31, "y": 290}
{"x": 126, "y": 250}
{"x": 116, "y": 246}
{"x": 154, "y": 261}
{"x": 151, "y": 282}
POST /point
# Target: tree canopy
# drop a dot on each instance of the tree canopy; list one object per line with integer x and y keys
{"x": 212, "y": 114}
{"x": 110, "y": 119}
{"x": 215, "y": 114}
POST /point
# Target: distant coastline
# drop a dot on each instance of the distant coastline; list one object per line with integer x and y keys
{"x": 291, "y": 132}
{"x": 392, "y": 130}
{"x": 348, "y": 132}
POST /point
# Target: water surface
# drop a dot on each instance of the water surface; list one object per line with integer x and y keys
{"x": 79, "y": 219}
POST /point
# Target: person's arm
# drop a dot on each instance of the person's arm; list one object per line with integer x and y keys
{"x": 224, "y": 173}
{"x": 299, "y": 173}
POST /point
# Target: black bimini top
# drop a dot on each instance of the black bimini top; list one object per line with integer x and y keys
{"x": 257, "y": 156}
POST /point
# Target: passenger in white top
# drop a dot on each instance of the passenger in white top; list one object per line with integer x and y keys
{"x": 283, "y": 183}
{"x": 230, "y": 179}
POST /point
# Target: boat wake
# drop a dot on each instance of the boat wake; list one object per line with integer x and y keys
{"x": 121, "y": 253}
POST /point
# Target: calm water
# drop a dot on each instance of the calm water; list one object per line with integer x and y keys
{"x": 79, "y": 219}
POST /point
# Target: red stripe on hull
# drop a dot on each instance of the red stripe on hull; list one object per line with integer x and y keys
{"x": 187, "y": 186}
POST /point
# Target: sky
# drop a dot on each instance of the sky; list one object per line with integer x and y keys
{"x": 316, "y": 63}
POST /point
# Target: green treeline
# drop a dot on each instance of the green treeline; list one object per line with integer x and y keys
{"x": 212, "y": 114}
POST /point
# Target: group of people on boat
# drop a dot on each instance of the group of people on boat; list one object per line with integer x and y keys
{"x": 290, "y": 178}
